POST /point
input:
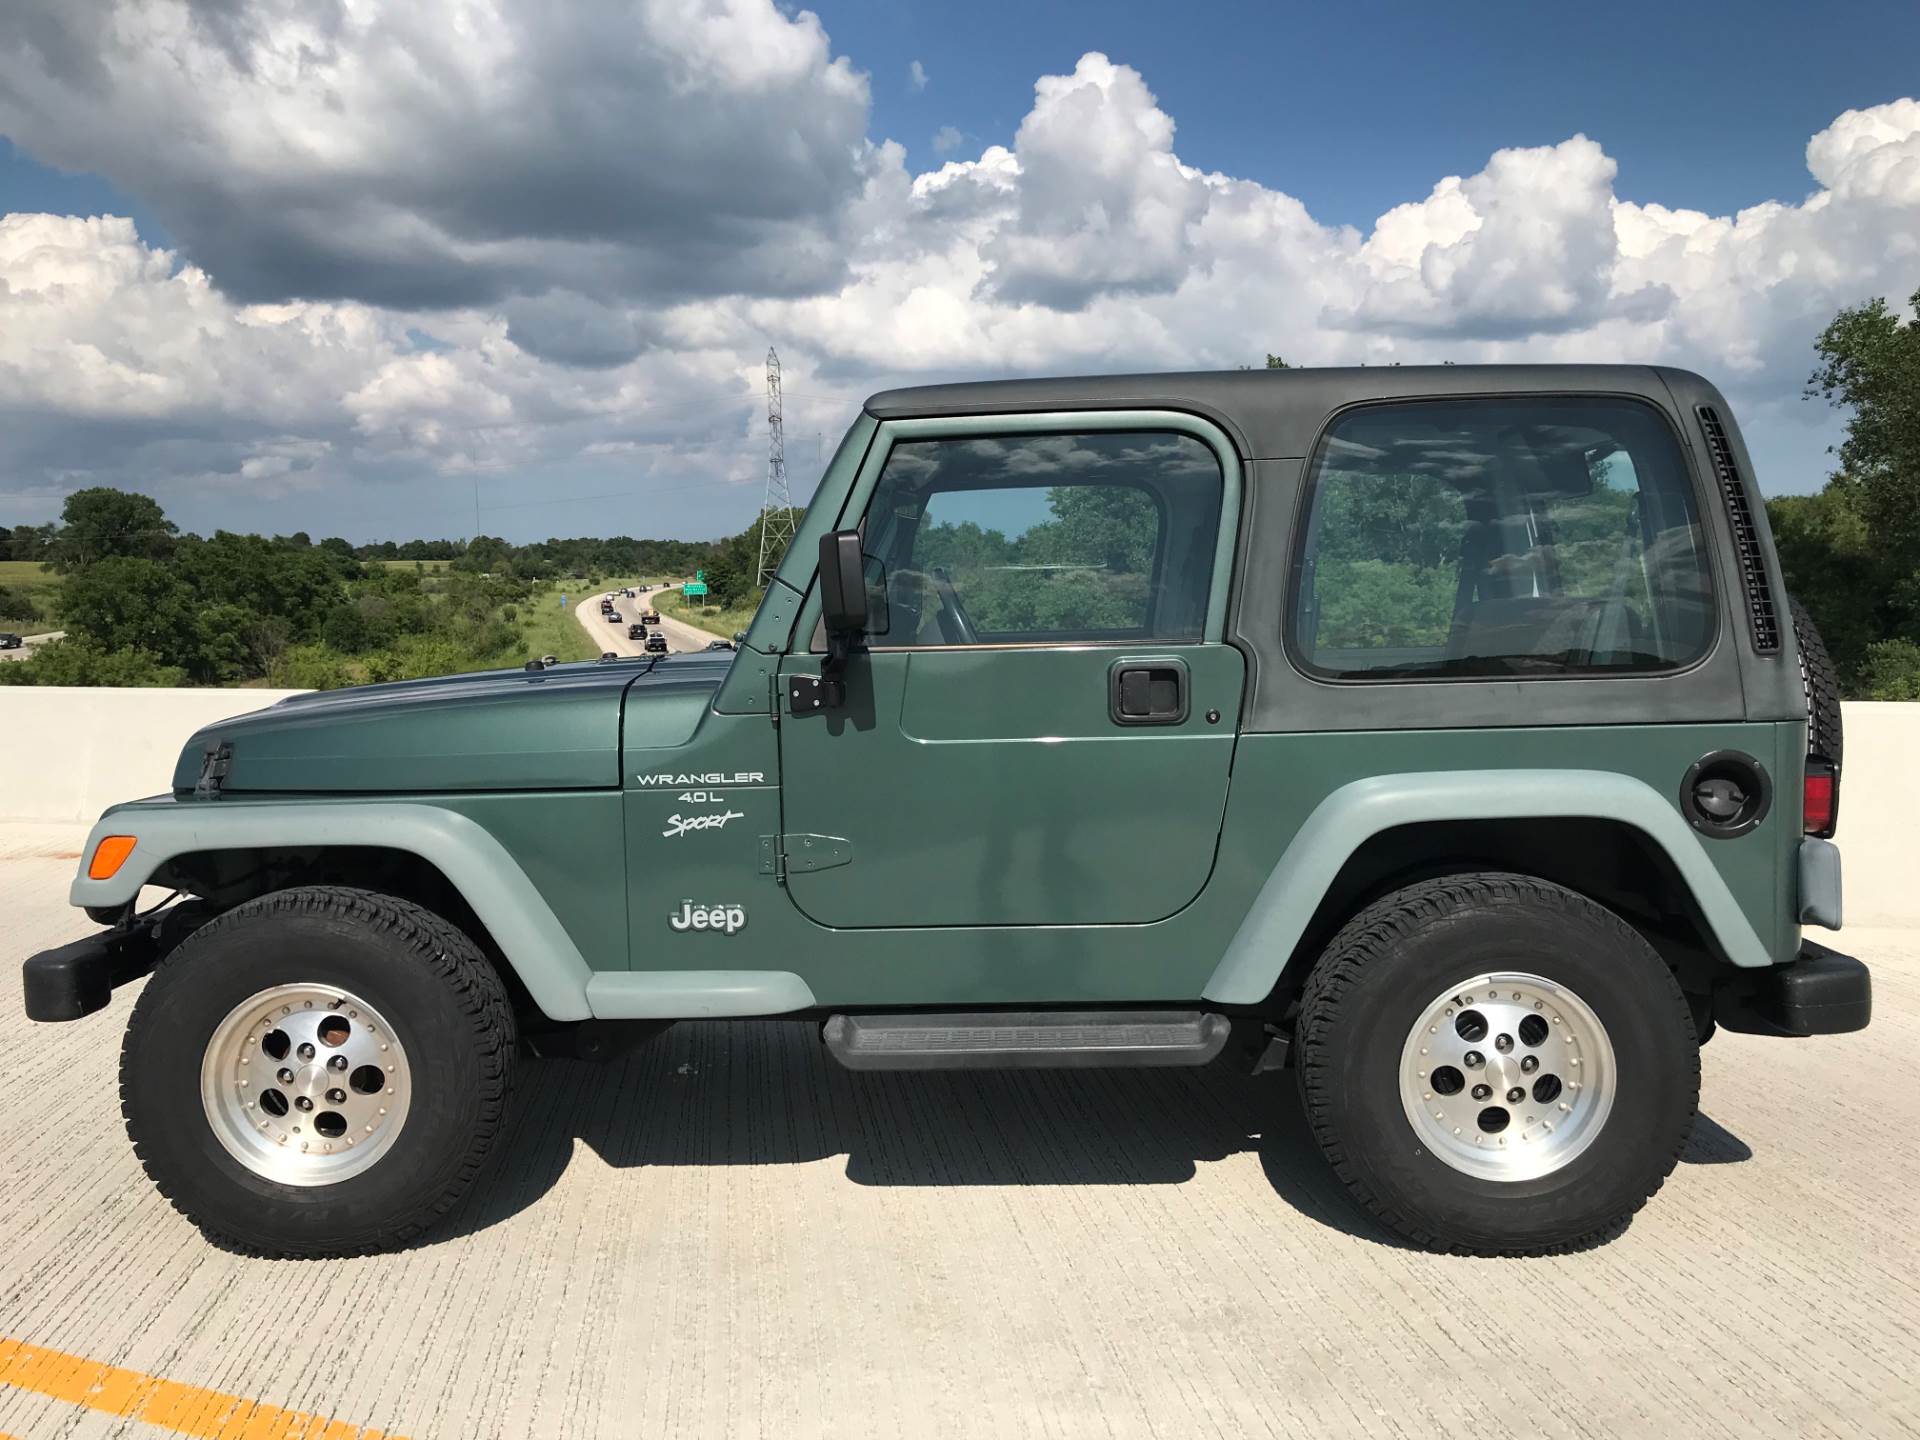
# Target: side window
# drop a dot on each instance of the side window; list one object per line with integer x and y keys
{"x": 1105, "y": 535}
{"x": 1513, "y": 537}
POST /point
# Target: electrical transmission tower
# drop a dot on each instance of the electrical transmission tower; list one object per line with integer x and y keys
{"x": 776, "y": 512}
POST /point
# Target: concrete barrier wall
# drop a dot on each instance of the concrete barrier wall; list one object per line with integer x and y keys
{"x": 1879, "y": 808}
{"x": 67, "y": 754}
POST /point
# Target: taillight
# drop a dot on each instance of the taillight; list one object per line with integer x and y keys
{"x": 1822, "y": 805}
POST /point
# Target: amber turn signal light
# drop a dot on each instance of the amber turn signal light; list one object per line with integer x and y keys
{"x": 109, "y": 855}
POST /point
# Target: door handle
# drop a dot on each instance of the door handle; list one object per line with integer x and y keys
{"x": 1147, "y": 692}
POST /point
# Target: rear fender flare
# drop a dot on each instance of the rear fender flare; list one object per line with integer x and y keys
{"x": 1356, "y": 812}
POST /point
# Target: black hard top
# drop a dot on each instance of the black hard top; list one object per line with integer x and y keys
{"x": 1272, "y": 414}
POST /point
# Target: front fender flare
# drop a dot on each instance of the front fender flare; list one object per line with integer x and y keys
{"x": 517, "y": 916}
{"x": 1354, "y": 813}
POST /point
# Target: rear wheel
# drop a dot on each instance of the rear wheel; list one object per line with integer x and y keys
{"x": 1497, "y": 1065}
{"x": 318, "y": 1072}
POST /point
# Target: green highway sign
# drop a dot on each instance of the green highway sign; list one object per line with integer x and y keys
{"x": 693, "y": 588}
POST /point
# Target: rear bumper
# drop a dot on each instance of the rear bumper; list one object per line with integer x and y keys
{"x": 74, "y": 980}
{"x": 1821, "y": 993}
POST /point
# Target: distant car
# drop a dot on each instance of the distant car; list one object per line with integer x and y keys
{"x": 628, "y": 592}
{"x": 610, "y": 615}
{"x": 650, "y": 617}
{"x": 636, "y": 631}
{"x": 10, "y": 642}
{"x": 549, "y": 659}
{"x": 656, "y": 644}
{"x": 719, "y": 645}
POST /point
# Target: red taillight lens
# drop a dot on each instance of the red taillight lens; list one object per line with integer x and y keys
{"x": 1822, "y": 804}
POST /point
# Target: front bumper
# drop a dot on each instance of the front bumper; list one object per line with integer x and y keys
{"x": 73, "y": 980}
{"x": 1821, "y": 993}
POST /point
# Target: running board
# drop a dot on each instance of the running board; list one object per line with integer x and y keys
{"x": 1026, "y": 1040}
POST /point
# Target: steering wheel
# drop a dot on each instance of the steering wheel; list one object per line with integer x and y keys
{"x": 955, "y": 624}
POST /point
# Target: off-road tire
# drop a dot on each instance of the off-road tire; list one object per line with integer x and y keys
{"x": 1368, "y": 990}
{"x": 447, "y": 1006}
{"x": 1822, "y": 685}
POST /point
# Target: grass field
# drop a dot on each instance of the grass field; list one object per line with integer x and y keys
{"x": 725, "y": 622}
{"x": 33, "y": 582}
{"x": 427, "y": 565}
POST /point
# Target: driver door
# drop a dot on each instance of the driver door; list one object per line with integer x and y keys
{"x": 1040, "y": 729}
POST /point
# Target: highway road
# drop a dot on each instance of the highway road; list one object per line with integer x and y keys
{"x": 681, "y": 637}
{"x": 29, "y": 642}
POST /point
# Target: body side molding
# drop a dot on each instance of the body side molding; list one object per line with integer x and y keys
{"x": 1356, "y": 812}
{"x": 696, "y": 994}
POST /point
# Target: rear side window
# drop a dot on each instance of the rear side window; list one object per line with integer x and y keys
{"x": 1512, "y": 537}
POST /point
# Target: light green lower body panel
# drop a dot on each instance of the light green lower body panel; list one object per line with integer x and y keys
{"x": 696, "y": 994}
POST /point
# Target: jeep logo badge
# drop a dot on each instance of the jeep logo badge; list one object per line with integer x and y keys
{"x": 708, "y": 917}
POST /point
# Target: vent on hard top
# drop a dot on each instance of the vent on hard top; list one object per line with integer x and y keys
{"x": 1762, "y": 616}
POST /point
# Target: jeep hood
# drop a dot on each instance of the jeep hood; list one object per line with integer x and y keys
{"x": 553, "y": 729}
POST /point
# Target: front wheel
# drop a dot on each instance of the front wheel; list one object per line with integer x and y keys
{"x": 1497, "y": 1065}
{"x": 318, "y": 1072}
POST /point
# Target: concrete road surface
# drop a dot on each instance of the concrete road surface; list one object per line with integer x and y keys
{"x": 681, "y": 637}
{"x": 726, "y": 1235}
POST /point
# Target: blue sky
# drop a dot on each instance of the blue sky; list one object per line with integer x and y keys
{"x": 552, "y": 279}
{"x": 1356, "y": 108}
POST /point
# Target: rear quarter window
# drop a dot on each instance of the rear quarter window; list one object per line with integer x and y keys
{"x": 1513, "y": 537}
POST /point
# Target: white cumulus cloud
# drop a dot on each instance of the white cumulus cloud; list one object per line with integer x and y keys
{"x": 564, "y": 244}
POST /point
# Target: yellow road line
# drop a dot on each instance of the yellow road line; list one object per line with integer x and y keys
{"x": 183, "y": 1409}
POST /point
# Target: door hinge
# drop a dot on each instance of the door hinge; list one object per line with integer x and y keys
{"x": 782, "y": 855}
{"x": 808, "y": 694}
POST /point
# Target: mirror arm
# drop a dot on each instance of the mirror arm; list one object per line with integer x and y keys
{"x": 833, "y": 668}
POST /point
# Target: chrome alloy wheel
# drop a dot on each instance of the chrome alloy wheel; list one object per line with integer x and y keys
{"x": 1507, "y": 1077}
{"x": 305, "y": 1084}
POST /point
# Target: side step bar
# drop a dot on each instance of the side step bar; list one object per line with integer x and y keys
{"x": 1026, "y": 1040}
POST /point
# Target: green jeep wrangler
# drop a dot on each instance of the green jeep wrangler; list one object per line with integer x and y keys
{"x": 1445, "y": 736}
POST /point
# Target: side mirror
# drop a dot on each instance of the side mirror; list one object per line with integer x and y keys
{"x": 843, "y": 584}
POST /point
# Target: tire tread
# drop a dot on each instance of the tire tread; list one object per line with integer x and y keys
{"x": 446, "y": 952}
{"x": 1371, "y": 936}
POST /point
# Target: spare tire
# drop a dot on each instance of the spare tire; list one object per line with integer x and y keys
{"x": 1822, "y": 686}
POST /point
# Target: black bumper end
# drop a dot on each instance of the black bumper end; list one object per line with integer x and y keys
{"x": 1821, "y": 993}
{"x": 78, "y": 979}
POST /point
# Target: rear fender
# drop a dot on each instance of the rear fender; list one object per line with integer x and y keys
{"x": 1354, "y": 813}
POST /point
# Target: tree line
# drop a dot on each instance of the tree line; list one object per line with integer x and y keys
{"x": 1852, "y": 552}
{"x": 144, "y": 604}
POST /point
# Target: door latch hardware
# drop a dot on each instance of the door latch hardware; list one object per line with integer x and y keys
{"x": 1148, "y": 691}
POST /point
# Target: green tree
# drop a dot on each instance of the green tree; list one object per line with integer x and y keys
{"x": 1870, "y": 365}
{"x": 29, "y": 542}
{"x": 99, "y": 523}
{"x": 79, "y": 661}
{"x": 727, "y": 582}
{"x": 1892, "y": 670}
{"x": 1852, "y": 552}
{"x": 128, "y": 603}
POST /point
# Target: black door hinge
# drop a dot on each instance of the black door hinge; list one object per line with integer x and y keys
{"x": 807, "y": 694}
{"x": 784, "y": 855}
